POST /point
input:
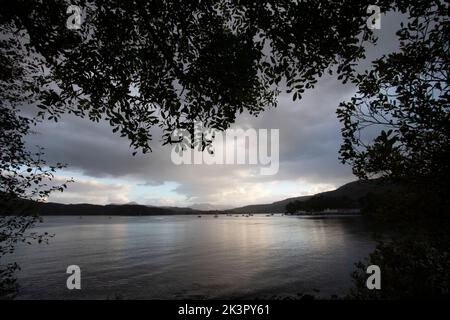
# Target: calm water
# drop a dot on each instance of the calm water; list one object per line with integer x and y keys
{"x": 190, "y": 257}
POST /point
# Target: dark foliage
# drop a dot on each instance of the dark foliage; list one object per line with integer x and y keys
{"x": 144, "y": 64}
{"x": 23, "y": 175}
{"x": 404, "y": 99}
{"x": 413, "y": 266}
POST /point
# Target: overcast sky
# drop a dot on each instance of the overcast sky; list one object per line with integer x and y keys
{"x": 105, "y": 171}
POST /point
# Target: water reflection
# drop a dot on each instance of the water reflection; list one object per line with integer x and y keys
{"x": 188, "y": 257}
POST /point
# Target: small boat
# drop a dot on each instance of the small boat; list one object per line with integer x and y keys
{"x": 216, "y": 216}
{"x": 199, "y": 216}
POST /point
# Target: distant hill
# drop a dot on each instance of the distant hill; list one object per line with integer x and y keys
{"x": 353, "y": 190}
{"x": 108, "y": 210}
{"x": 84, "y": 209}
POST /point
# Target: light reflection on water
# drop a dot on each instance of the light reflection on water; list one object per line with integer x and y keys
{"x": 190, "y": 257}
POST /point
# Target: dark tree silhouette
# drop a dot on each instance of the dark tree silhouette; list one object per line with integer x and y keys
{"x": 23, "y": 176}
{"x": 143, "y": 64}
{"x": 398, "y": 127}
{"x": 405, "y": 97}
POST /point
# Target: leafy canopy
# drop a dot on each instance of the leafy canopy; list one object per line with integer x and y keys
{"x": 398, "y": 123}
{"x": 144, "y": 64}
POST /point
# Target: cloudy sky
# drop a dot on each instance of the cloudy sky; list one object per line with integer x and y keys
{"x": 309, "y": 138}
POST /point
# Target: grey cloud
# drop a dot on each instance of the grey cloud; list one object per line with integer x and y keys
{"x": 91, "y": 191}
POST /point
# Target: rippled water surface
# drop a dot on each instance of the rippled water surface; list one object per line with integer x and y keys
{"x": 189, "y": 257}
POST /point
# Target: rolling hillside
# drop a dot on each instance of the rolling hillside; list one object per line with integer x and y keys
{"x": 353, "y": 190}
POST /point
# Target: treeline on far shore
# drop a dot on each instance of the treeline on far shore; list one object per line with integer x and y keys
{"x": 323, "y": 204}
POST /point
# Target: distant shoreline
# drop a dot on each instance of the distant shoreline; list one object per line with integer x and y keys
{"x": 207, "y": 215}
{"x": 59, "y": 209}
